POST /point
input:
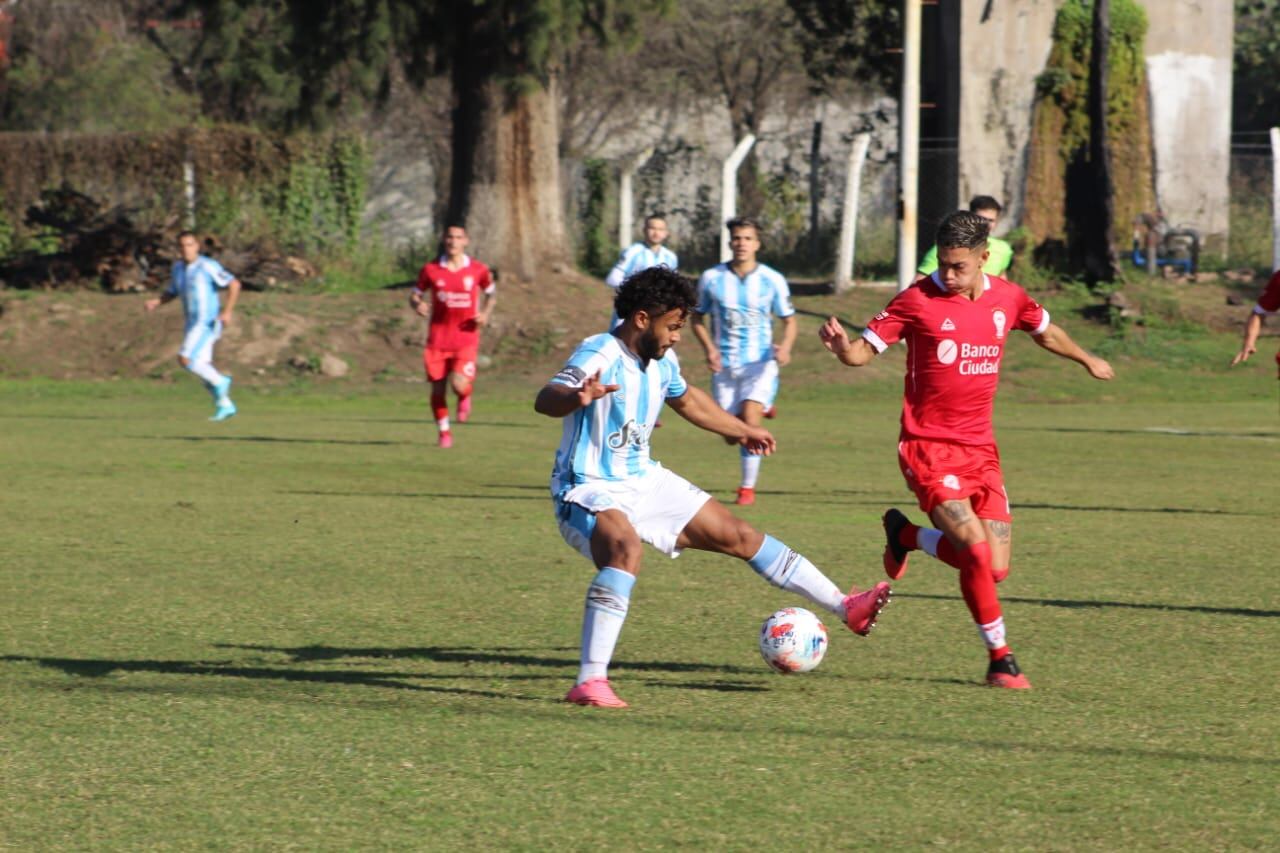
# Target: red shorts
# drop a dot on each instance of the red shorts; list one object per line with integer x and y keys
{"x": 938, "y": 471}
{"x": 441, "y": 362}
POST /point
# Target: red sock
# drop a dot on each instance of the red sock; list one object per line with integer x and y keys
{"x": 439, "y": 405}
{"x": 907, "y": 536}
{"x": 948, "y": 554}
{"x": 977, "y": 585}
{"x": 997, "y": 654}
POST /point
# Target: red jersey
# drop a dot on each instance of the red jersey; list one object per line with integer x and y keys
{"x": 954, "y": 347}
{"x": 454, "y": 296}
{"x": 1269, "y": 301}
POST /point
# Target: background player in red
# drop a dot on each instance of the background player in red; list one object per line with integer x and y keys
{"x": 457, "y": 293}
{"x": 1268, "y": 303}
{"x": 955, "y": 323}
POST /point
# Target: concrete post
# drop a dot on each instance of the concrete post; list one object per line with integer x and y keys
{"x": 909, "y": 145}
{"x": 849, "y": 216}
{"x": 729, "y": 191}
{"x": 189, "y": 190}
{"x": 1275, "y": 198}
{"x": 626, "y": 204}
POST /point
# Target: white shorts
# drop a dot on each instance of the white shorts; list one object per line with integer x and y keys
{"x": 733, "y": 386}
{"x": 659, "y": 506}
{"x": 197, "y": 344}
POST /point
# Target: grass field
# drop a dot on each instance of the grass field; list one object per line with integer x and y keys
{"x": 309, "y": 628}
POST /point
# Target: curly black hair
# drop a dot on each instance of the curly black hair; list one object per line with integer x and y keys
{"x": 655, "y": 290}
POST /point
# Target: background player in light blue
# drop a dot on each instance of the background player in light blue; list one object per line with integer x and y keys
{"x": 742, "y": 297}
{"x": 196, "y": 280}
{"x": 610, "y": 496}
{"x": 641, "y": 256}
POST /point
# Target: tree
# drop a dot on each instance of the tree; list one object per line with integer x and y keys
{"x": 501, "y": 58}
{"x": 848, "y": 42}
{"x": 1255, "y": 95}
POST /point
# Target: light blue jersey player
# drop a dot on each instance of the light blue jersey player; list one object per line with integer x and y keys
{"x": 196, "y": 280}
{"x": 641, "y": 256}
{"x": 741, "y": 299}
{"x": 610, "y": 496}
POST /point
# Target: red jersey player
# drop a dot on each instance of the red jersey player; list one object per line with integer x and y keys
{"x": 449, "y": 291}
{"x": 1268, "y": 303}
{"x": 955, "y": 324}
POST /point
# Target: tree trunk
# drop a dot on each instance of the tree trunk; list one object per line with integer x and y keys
{"x": 1100, "y": 256}
{"x": 505, "y": 182}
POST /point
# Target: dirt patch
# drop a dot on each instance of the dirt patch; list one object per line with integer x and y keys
{"x": 276, "y": 336}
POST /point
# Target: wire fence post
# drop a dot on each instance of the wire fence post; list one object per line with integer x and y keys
{"x": 189, "y": 189}
{"x": 729, "y": 191}
{"x": 626, "y": 204}
{"x": 849, "y": 216}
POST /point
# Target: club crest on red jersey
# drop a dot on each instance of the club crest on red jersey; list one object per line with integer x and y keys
{"x": 1001, "y": 320}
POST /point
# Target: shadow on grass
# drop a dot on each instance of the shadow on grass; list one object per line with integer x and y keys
{"x": 426, "y": 421}
{"x": 1147, "y": 431}
{"x": 448, "y": 496}
{"x": 1172, "y": 510}
{"x": 469, "y": 655}
{"x": 268, "y": 439}
{"x": 98, "y": 668}
{"x": 1082, "y": 604}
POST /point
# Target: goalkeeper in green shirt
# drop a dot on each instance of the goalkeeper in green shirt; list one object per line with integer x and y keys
{"x": 1001, "y": 253}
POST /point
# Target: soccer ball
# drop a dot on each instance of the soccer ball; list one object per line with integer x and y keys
{"x": 793, "y": 640}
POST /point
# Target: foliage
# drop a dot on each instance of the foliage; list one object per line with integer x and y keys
{"x": 1056, "y": 205}
{"x": 94, "y": 82}
{"x": 848, "y": 41}
{"x": 1255, "y": 95}
{"x": 598, "y": 248}
{"x": 7, "y": 232}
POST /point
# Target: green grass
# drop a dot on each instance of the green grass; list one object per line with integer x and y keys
{"x": 309, "y": 628}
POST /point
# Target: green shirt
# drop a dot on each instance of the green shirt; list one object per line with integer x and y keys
{"x": 998, "y": 261}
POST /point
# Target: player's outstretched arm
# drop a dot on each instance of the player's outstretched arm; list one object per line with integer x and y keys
{"x": 697, "y": 407}
{"x": 1252, "y": 328}
{"x": 156, "y": 301}
{"x": 854, "y": 353}
{"x": 1056, "y": 340}
{"x": 558, "y": 401}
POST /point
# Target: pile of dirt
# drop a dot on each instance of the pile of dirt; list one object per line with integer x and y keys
{"x": 99, "y": 247}
{"x": 276, "y": 336}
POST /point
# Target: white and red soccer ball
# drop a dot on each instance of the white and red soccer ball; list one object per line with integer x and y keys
{"x": 793, "y": 640}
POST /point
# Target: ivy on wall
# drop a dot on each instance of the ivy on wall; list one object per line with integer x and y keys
{"x": 1057, "y": 199}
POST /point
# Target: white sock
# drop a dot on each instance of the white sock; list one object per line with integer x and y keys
{"x": 786, "y": 569}
{"x": 750, "y": 469}
{"x": 206, "y": 371}
{"x": 993, "y": 633}
{"x": 606, "y": 609}
{"x": 443, "y": 423}
{"x": 927, "y": 540}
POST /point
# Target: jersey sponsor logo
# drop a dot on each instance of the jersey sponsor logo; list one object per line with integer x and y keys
{"x": 947, "y": 325}
{"x": 998, "y": 317}
{"x": 979, "y": 359}
{"x": 742, "y": 318}
{"x": 570, "y": 375}
{"x": 631, "y": 433}
{"x": 947, "y": 351}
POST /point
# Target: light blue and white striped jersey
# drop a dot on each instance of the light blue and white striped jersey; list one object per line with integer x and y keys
{"x": 197, "y": 285}
{"x": 636, "y": 257}
{"x": 609, "y": 439}
{"x": 742, "y": 311}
